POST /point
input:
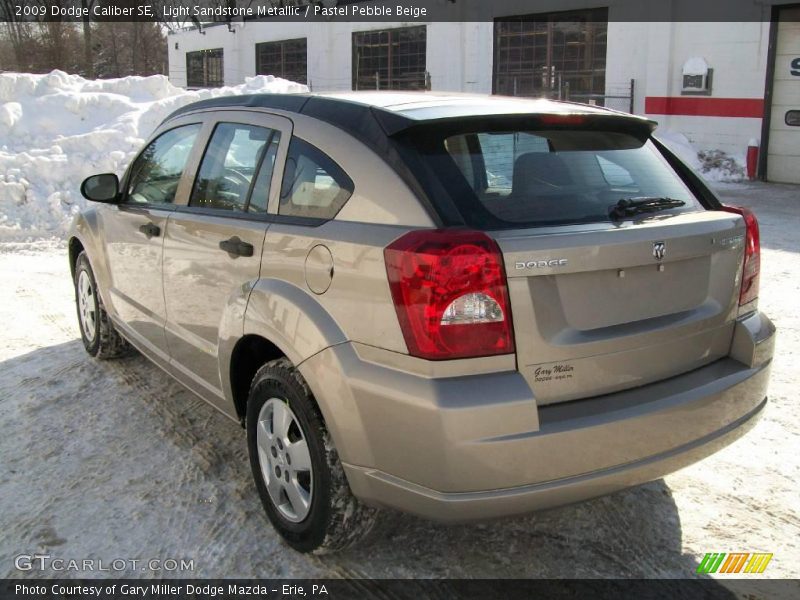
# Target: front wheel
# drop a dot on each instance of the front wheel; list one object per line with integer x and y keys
{"x": 99, "y": 337}
{"x": 296, "y": 467}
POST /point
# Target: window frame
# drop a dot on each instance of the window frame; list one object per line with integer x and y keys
{"x": 250, "y": 189}
{"x": 206, "y": 54}
{"x": 389, "y": 63}
{"x": 180, "y": 192}
{"x": 256, "y": 118}
{"x": 208, "y": 119}
{"x": 282, "y": 45}
{"x": 584, "y": 15}
{"x": 308, "y": 219}
{"x": 444, "y": 182}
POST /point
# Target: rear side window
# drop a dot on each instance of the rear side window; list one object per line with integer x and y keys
{"x": 313, "y": 184}
{"x": 235, "y": 154}
{"x": 509, "y": 179}
{"x": 157, "y": 171}
{"x": 260, "y": 195}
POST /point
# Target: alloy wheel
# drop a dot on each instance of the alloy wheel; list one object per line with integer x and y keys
{"x": 87, "y": 306}
{"x": 285, "y": 460}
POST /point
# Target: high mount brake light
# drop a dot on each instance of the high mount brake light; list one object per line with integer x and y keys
{"x": 564, "y": 119}
{"x": 449, "y": 290}
{"x": 751, "y": 271}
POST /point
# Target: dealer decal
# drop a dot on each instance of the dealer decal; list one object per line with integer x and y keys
{"x": 553, "y": 373}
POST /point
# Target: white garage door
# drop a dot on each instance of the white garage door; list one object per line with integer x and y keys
{"x": 783, "y": 161}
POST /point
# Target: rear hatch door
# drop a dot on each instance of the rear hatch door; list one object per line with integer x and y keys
{"x": 601, "y": 300}
{"x": 601, "y": 309}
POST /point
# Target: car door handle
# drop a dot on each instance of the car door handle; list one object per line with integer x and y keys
{"x": 236, "y": 247}
{"x": 150, "y": 230}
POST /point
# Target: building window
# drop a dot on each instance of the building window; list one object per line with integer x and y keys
{"x": 204, "y": 68}
{"x": 287, "y": 59}
{"x": 555, "y": 55}
{"x": 389, "y": 59}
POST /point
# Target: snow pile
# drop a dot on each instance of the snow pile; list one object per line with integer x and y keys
{"x": 57, "y": 129}
{"x": 711, "y": 165}
{"x": 680, "y": 145}
{"x": 720, "y": 166}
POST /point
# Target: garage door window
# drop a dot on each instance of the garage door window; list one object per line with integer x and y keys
{"x": 313, "y": 185}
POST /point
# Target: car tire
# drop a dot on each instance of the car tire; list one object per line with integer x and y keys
{"x": 99, "y": 337}
{"x": 282, "y": 421}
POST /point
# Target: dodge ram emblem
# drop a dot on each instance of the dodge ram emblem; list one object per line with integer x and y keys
{"x": 659, "y": 250}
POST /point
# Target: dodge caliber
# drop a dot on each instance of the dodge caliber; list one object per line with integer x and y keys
{"x": 462, "y": 307}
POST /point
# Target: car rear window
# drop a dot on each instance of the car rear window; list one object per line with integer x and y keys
{"x": 510, "y": 179}
{"x": 313, "y": 184}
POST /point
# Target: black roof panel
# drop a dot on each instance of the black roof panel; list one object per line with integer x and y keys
{"x": 287, "y": 102}
{"x": 396, "y": 111}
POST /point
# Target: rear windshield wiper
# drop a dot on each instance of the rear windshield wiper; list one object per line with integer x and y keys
{"x": 633, "y": 206}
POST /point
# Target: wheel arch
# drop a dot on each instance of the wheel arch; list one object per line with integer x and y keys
{"x": 86, "y": 235}
{"x": 280, "y": 320}
{"x": 75, "y": 247}
{"x": 250, "y": 353}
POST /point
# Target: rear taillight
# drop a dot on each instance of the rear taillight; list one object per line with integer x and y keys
{"x": 449, "y": 290}
{"x": 752, "y": 255}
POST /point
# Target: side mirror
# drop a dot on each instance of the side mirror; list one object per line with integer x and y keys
{"x": 101, "y": 188}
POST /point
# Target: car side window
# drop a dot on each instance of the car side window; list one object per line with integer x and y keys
{"x": 157, "y": 171}
{"x": 231, "y": 161}
{"x": 313, "y": 184}
{"x": 260, "y": 194}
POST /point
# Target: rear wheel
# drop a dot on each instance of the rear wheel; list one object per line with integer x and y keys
{"x": 296, "y": 467}
{"x": 99, "y": 337}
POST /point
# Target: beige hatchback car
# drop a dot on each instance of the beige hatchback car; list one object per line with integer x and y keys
{"x": 463, "y": 307}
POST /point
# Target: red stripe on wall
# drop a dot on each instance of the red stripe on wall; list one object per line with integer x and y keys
{"x": 704, "y": 107}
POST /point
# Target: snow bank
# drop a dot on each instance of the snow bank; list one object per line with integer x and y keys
{"x": 57, "y": 129}
{"x": 711, "y": 165}
{"x": 680, "y": 145}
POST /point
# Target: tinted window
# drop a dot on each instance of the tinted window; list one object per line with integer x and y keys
{"x": 157, "y": 171}
{"x": 313, "y": 185}
{"x": 513, "y": 178}
{"x": 260, "y": 195}
{"x": 232, "y": 158}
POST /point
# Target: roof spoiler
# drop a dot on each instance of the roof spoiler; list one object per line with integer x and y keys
{"x": 395, "y": 124}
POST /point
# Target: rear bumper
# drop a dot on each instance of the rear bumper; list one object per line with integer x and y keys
{"x": 478, "y": 447}
{"x": 383, "y": 489}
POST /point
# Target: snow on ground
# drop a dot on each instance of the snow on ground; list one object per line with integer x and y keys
{"x": 57, "y": 129}
{"x": 715, "y": 166}
{"x": 114, "y": 459}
